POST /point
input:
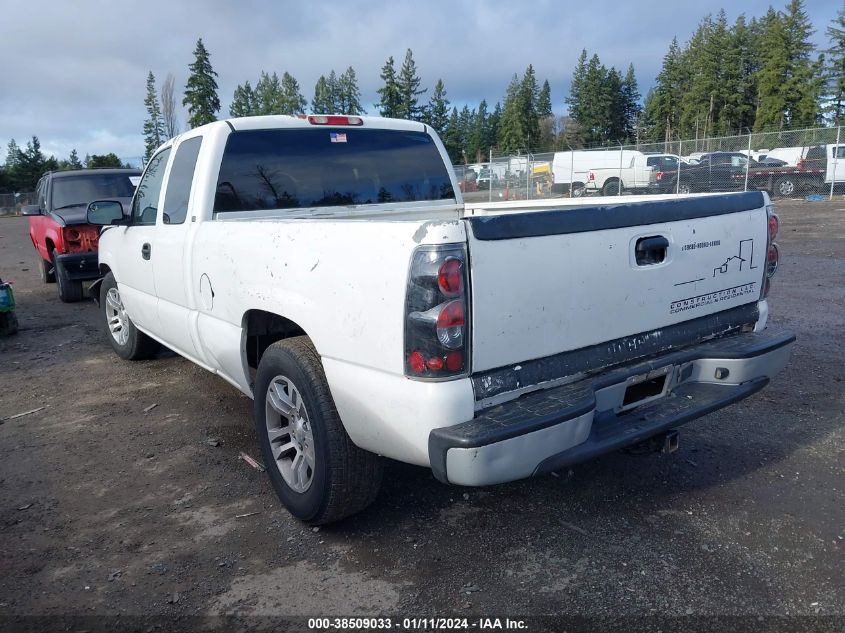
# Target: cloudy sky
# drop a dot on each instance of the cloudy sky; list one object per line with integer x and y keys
{"x": 73, "y": 72}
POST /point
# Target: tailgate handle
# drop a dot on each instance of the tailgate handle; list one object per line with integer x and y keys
{"x": 651, "y": 250}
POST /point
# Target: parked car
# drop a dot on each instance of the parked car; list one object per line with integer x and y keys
{"x": 346, "y": 287}
{"x": 65, "y": 243}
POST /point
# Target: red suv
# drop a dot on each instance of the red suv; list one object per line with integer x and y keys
{"x": 66, "y": 243}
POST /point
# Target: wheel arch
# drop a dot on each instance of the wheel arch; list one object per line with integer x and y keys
{"x": 262, "y": 328}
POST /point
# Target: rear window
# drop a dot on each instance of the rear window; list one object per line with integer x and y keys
{"x": 78, "y": 190}
{"x": 324, "y": 167}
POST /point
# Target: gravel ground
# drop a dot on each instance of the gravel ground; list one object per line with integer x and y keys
{"x": 111, "y": 508}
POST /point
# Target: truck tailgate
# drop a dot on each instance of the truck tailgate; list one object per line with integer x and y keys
{"x": 560, "y": 280}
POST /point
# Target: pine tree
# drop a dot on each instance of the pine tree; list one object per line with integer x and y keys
{"x": 292, "y": 101}
{"x": 153, "y": 129}
{"x": 452, "y": 138}
{"x": 835, "y": 69}
{"x": 201, "y": 89}
{"x": 631, "y": 108}
{"x": 73, "y": 161}
{"x": 322, "y": 102}
{"x": 528, "y": 97}
{"x": 350, "y": 94}
{"x": 575, "y": 101}
{"x": 662, "y": 107}
{"x": 479, "y": 139}
{"x": 804, "y": 76}
{"x": 408, "y": 84}
{"x": 511, "y": 137}
{"x": 544, "y": 101}
{"x": 437, "y": 112}
{"x": 334, "y": 89}
{"x": 242, "y": 101}
{"x": 268, "y": 94}
{"x": 391, "y": 97}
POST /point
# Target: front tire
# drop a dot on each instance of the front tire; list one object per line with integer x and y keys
{"x": 317, "y": 472}
{"x": 70, "y": 291}
{"x": 126, "y": 340}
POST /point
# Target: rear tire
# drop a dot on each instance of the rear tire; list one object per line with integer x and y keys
{"x": 126, "y": 340}
{"x": 317, "y": 472}
{"x": 684, "y": 188}
{"x": 47, "y": 270}
{"x": 785, "y": 187}
{"x": 578, "y": 190}
{"x": 611, "y": 188}
{"x": 69, "y": 291}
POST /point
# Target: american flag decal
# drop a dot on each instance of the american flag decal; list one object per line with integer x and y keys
{"x": 338, "y": 137}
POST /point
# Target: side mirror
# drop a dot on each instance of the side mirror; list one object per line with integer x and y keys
{"x": 30, "y": 209}
{"x": 105, "y": 213}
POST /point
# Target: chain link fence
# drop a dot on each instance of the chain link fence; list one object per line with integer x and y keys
{"x": 11, "y": 203}
{"x": 790, "y": 163}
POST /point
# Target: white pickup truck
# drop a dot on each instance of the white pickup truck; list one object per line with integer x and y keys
{"x": 327, "y": 267}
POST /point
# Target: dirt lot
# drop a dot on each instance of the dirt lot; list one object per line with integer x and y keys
{"x": 109, "y": 510}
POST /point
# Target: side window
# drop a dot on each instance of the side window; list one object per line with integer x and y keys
{"x": 840, "y": 151}
{"x": 42, "y": 194}
{"x": 179, "y": 184}
{"x": 145, "y": 203}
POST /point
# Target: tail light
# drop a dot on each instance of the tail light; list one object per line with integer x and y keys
{"x": 437, "y": 313}
{"x": 772, "y": 251}
{"x": 658, "y": 175}
{"x": 591, "y": 176}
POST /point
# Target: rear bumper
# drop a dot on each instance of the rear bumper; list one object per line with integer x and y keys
{"x": 546, "y": 430}
{"x": 79, "y": 266}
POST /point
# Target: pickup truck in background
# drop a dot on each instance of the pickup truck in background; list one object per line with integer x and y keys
{"x": 327, "y": 267}
{"x": 815, "y": 170}
{"x": 66, "y": 244}
{"x": 604, "y": 171}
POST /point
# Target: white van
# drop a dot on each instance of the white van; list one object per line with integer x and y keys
{"x": 607, "y": 171}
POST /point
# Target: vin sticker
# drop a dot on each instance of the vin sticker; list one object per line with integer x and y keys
{"x": 710, "y": 298}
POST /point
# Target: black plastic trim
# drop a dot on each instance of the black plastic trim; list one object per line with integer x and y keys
{"x": 549, "y": 407}
{"x": 616, "y": 352}
{"x": 79, "y": 266}
{"x": 610, "y": 216}
{"x": 612, "y": 432}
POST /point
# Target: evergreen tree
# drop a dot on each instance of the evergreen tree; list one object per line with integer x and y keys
{"x": 30, "y": 165}
{"x": 96, "y": 161}
{"x": 322, "y": 102}
{"x": 437, "y": 112}
{"x": 662, "y": 107}
{"x": 242, "y": 101}
{"x": 391, "y": 97}
{"x": 528, "y": 98}
{"x": 201, "y": 89}
{"x": 335, "y": 97}
{"x": 292, "y": 101}
{"x": 835, "y": 69}
{"x": 511, "y": 136}
{"x": 631, "y": 108}
{"x": 789, "y": 82}
{"x": 13, "y": 155}
{"x": 544, "y": 101}
{"x": 350, "y": 94}
{"x": 408, "y": 84}
{"x": 153, "y": 128}
{"x": 493, "y": 127}
{"x": 73, "y": 161}
{"x": 452, "y": 138}
{"x": 479, "y": 138}
{"x": 268, "y": 95}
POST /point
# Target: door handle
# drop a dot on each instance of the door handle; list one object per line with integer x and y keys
{"x": 146, "y": 249}
{"x": 651, "y": 250}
